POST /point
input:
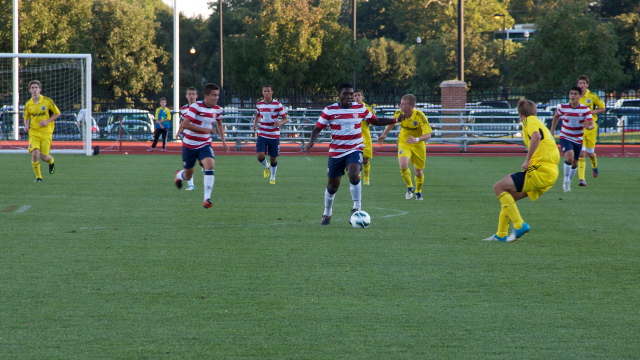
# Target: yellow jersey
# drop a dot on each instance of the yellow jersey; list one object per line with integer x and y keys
{"x": 366, "y": 132}
{"x": 39, "y": 112}
{"x": 592, "y": 101}
{"x": 416, "y": 125}
{"x": 547, "y": 151}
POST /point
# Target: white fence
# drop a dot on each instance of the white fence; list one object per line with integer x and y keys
{"x": 456, "y": 126}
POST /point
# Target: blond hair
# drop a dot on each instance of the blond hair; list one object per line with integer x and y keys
{"x": 527, "y": 107}
{"x": 411, "y": 99}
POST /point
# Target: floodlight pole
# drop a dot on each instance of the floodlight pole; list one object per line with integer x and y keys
{"x": 176, "y": 65}
{"x": 16, "y": 75}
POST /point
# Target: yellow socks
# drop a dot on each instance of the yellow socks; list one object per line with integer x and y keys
{"x": 51, "y": 161}
{"x": 503, "y": 224}
{"x": 367, "y": 170}
{"x": 581, "y": 168}
{"x": 419, "y": 183}
{"x": 510, "y": 209}
{"x": 594, "y": 161}
{"x": 36, "y": 169}
{"x": 406, "y": 176}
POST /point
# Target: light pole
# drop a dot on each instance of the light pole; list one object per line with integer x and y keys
{"x": 193, "y": 72}
{"x": 504, "y": 38}
{"x": 354, "y": 37}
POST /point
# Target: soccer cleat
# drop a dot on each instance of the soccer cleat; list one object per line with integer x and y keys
{"x": 190, "y": 187}
{"x": 352, "y": 211}
{"x": 207, "y": 204}
{"x": 177, "y": 181}
{"x": 582, "y": 183}
{"x": 516, "y": 234}
{"x": 326, "y": 220}
{"x": 266, "y": 172}
{"x": 365, "y": 181}
{"x": 419, "y": 196}
{"x": 38, "y": 180}
{"x": 566, "y": 186}
{"x": 495, "y": 237}
{"x": 151, "y": 149}
{"x": 595, "y": 172}
{"x": 409, "y": 193}
{"x": 272, "y": 182}
{"x": 52, "y": 168}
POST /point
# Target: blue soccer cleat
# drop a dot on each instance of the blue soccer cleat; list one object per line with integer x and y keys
{"x": 516, "y": 234}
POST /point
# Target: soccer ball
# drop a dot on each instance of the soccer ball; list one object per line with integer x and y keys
{"x": 360, "y": 219}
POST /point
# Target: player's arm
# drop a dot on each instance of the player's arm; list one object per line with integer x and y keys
{"x": 600, "y": 107}
{"x": 534, "y": 141}
{"x": 385, "y": 133}
{"x": 221, "y": 132}
{"x": 255, "y": 121}
{"x": 554, "y": 123}
{"x": 314, "y": 136}
{"x": 53, "y": 117}
{"x": 285, "y": 119}
{"x": 588, "y": 121}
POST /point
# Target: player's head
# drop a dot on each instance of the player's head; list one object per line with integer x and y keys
{"x": 267, "y": 93}
{"x": 191, "y": 95}
{"x": 358, "y": 96}
{"x": 407, "y": 103}
{"x": 345, "y": 95}
{"x": 574, "y": 94}
{"x": 211, "y": 94}
{"x": 526, "y": 107}
{"x": 583, "y": 83}
{"x": 35, "y": 87}
{"x": 163, "y": 101}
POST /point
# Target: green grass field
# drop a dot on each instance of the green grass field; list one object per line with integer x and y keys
{"x": 106, "y": 259}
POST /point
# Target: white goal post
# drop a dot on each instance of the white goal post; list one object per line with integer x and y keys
{"x": 66, "y": 79}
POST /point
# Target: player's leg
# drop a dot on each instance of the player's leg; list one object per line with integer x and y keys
{"x": 581, "y": 167}
{"x": 208, "y": 162}
{"x": 164, "y": 138}
{"x": 334, "y": 174}
{"x": 34, "y": 149}
{"x": 594, "y": 161}
{"x": 366, "y": 163}
{"x": 589, "y": 147}
{"x": 45, "y": 153}
{"x": 405, "y": 173}
{"x": 261, "y": 149}
{"x": 418, "y": 159}
{"x": 273, "y": 150}
{"x": 509, "y": 190}
{"x": 354, "y": 167}
{"x": 156, "y": 137}
{"x": 567, "y": 152}
{"x": 189, "y": 157}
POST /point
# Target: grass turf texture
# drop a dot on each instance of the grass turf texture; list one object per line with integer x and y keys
{"x": 111, "y": 261}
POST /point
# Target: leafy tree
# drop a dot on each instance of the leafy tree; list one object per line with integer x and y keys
{"x": 388, "y": 64}
{"x": 628, "y": 30}
{"x": 564, "y": 48}
{"x": 124, "y": 52}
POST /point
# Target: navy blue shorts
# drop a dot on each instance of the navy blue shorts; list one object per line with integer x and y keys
{"x": 336, "y": 166}
{"x": 567, "y": 145}
{"x": 518, "y": 180}
{"x": 189, "y": 156}
{"x": 269, "y": 146}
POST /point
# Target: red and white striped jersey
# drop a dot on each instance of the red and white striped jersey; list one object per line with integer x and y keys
{"x": 201, "y": 115}
{"x": 269, "y": 114}
{"x": 346, "y": 128}
{"x": 572, "y": 121}
{"x": 183, "y": 109}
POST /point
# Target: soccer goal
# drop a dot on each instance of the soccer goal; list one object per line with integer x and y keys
{"x": 66, "y": 79}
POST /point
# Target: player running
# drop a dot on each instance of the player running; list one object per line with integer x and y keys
{"x": 267, "y": 114}
{"x": 40, "y": 112}
{"x": 597, "y": 106}
{"x": 196, "y": 145}
{"x": 192, "y": 97}
{"x": 345, "y": 150}
{"x": 539, "y": 173}
{"x": 575, "y": 118}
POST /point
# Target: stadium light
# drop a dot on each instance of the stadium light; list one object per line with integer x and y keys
{"x": 193, "y": 72}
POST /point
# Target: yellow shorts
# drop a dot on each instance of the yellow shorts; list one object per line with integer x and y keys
{"x": 417, "y": 153}
{"x": 538, "y": 179}
{"x": 368, "y": 149}
{"x": 39, "y": 141}
{"x": 589, "y": 138}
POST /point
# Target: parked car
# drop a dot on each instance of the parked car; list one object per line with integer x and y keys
{"x": 114, "y": 116}
{"x": 627, "y": 103}
{"x": 614, "y": 119}
{"x": 131, "y": 130}
{"x": 66, "y": 129}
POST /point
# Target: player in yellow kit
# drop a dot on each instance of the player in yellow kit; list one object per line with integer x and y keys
{"x": 40, "y": 112}
{"x": 540, "y": 172}
{"x": 414, "y": 131}
{"x": 597, "y": 106}
{"x": 367, "y": 152}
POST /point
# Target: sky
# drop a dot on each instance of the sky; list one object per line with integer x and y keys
{"x": 192, "y": 7}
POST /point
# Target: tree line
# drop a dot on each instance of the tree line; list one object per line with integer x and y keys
{"x": 307, "y": 45}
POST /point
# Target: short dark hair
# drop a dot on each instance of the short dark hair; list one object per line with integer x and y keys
{"x": 192, "y": 89}
{"x": 162, "y": 98}
{"x": 358, "y": 90}
{"x": 583, "y": 77}
{"x": 267, "y": 85}
{"x": 209, "y": 88}
{"x": 344, "y": 86}
{"x": 576, "y": 88}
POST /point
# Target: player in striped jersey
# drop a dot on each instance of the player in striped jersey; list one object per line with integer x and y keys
{"x": 575, "y": 118}
{"x": 345, "y": 150}
{"x": 597, "y": 106}
{"x": 415, "y": 130}
{"x": 196, "y": 145}
{"x": 192, "y": 97}
{"x": 267, "y": 114}
{"x": 539, "y": 173}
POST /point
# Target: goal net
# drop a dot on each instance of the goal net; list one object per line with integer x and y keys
{"x": 66, "y": 79}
